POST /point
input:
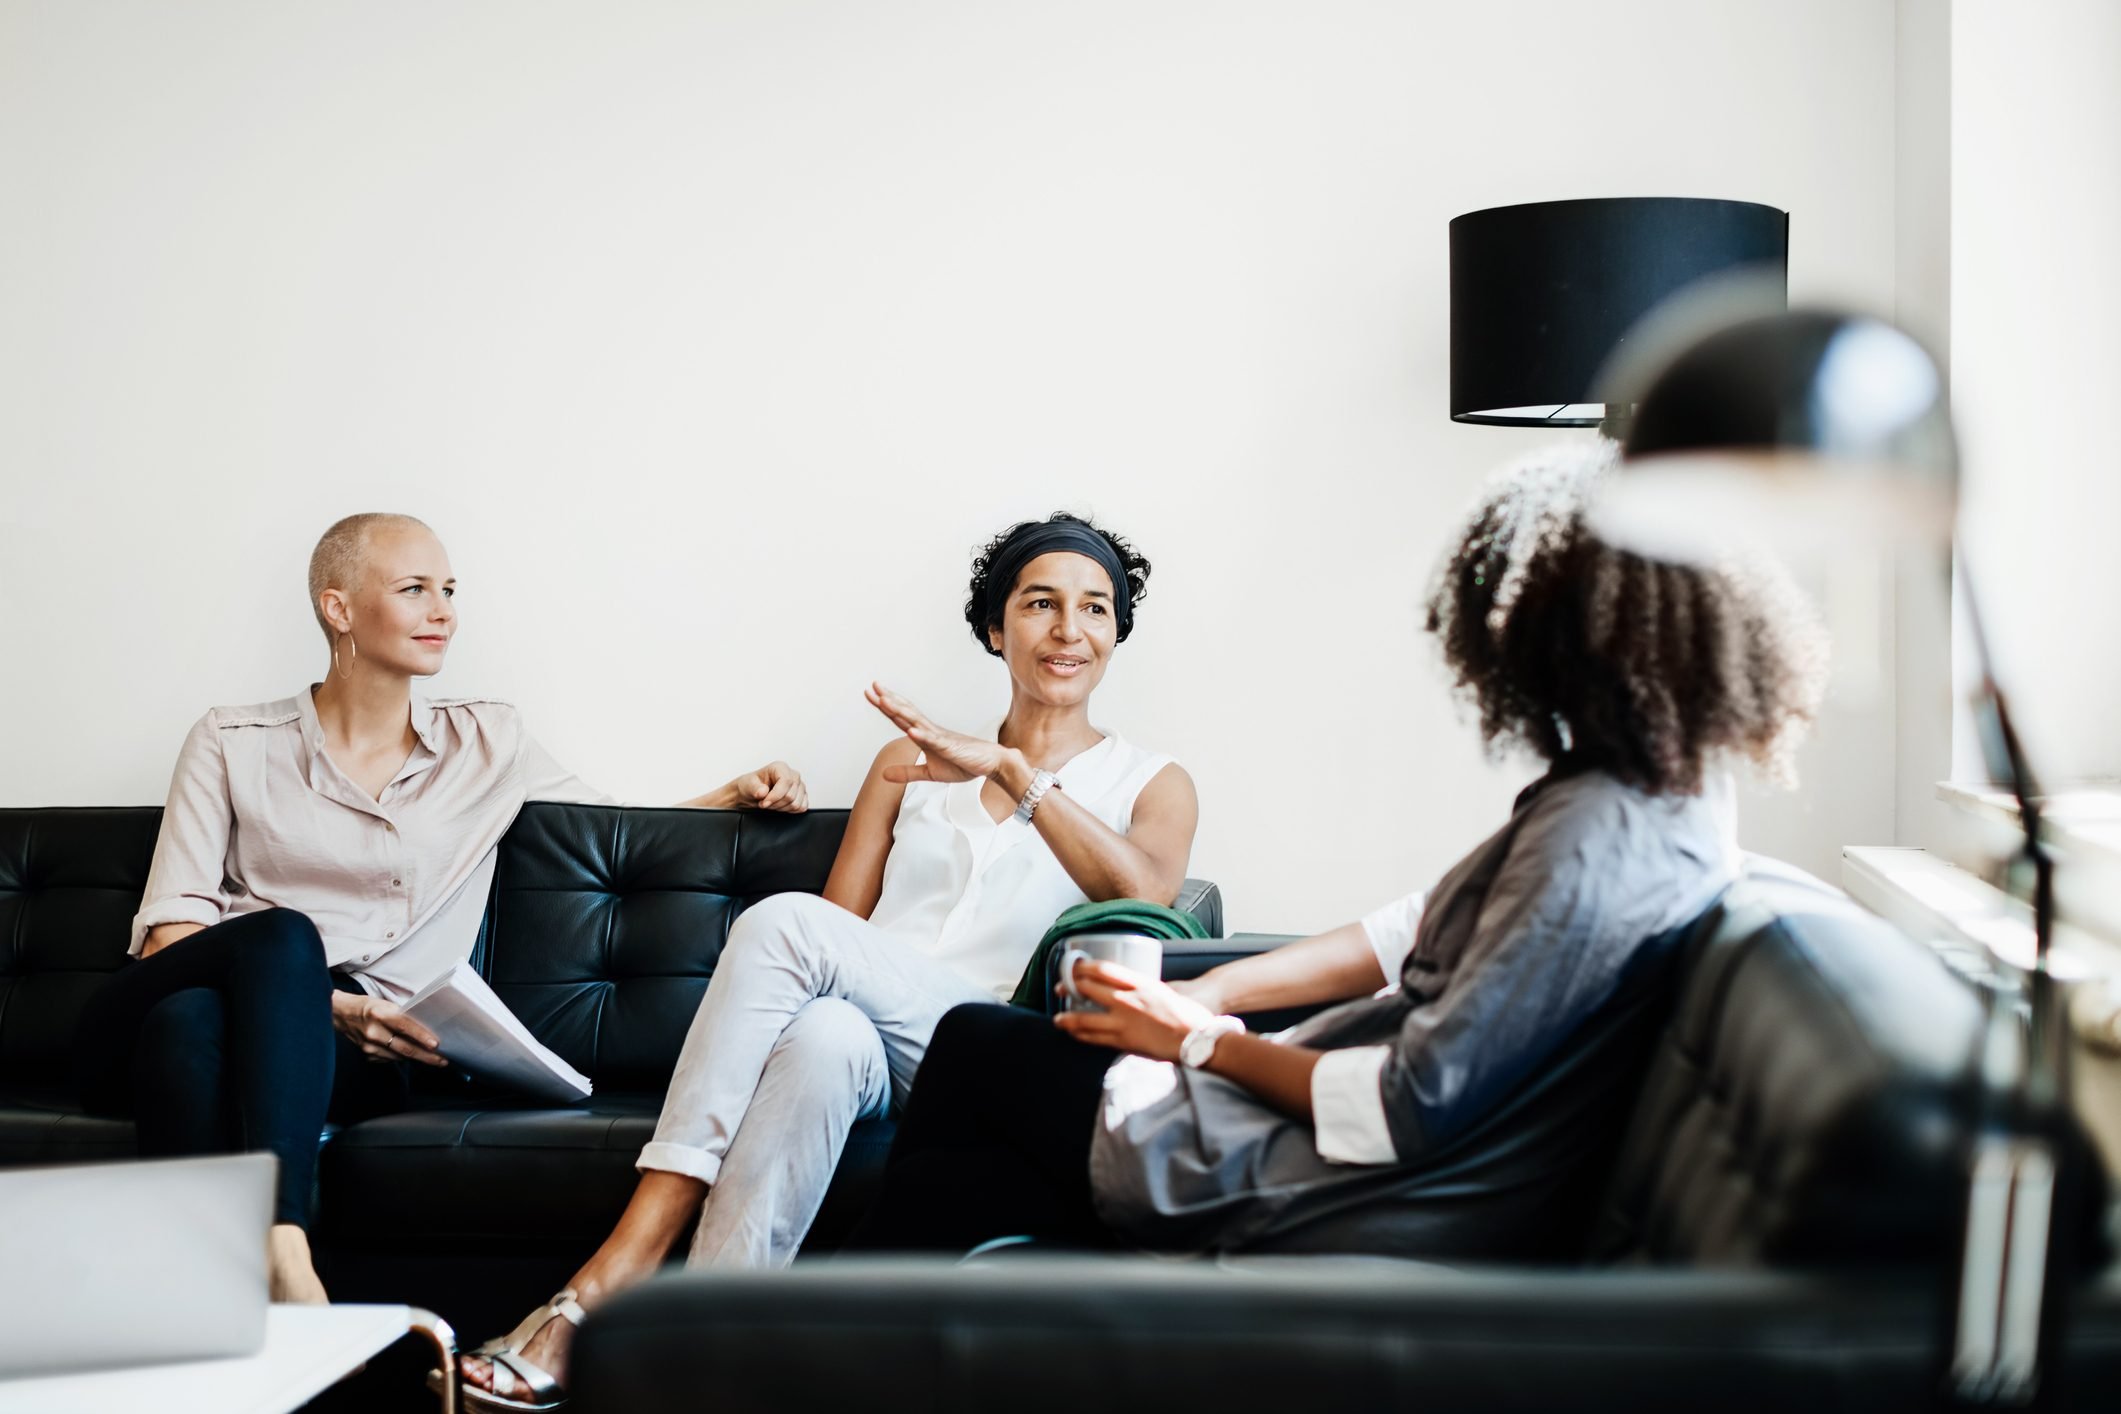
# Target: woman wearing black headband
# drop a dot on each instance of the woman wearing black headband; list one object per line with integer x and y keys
{"x": 959, "y": 852}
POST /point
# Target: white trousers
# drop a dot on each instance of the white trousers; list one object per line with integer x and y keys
{"x": 814, "y": 1018}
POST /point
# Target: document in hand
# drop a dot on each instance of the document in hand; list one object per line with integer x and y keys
{"x": 484, "y": 1037}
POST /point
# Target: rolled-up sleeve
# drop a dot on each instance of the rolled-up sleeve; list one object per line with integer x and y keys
{"x": 188, "y": 880}
{"x": 1348, "y": 1106}
{"x": 1390, "y": 931}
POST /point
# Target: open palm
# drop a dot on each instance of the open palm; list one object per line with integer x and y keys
{"x": 950, "y": 756}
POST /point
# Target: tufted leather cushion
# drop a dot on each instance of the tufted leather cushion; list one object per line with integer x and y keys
{"x": 70, "y": 882}
{"x": 607, "y": 922}
{"x": 1809, "y": 1102}
{"x": 605, "y": 925}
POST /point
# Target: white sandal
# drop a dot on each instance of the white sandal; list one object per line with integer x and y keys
{"x": 540, "y": 1391}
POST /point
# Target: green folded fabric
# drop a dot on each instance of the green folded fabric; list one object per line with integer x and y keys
{"x": 1119, "y": 915}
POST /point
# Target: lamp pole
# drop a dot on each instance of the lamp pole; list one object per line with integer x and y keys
{"x": 2011, "y": 1279}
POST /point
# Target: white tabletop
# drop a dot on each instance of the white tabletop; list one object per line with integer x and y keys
{"x": 307, "y": 1350}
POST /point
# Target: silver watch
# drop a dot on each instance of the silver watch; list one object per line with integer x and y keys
{"x": 1041, "y": 782}
{"x": 1193, "y": 1052}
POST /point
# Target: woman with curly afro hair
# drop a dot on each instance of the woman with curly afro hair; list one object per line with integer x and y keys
{"x": 1453, "y": 1113}
{"x": 959, "y": 852}
{"x": 1595, "y": 659}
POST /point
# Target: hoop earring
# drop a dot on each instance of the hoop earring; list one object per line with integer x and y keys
{"x": 353, "y": 654}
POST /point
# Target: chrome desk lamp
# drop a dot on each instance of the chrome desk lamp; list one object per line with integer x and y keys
{"x": 1800, "y": 432}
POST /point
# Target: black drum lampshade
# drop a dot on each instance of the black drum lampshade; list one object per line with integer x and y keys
{"x": 1544, "y": 293}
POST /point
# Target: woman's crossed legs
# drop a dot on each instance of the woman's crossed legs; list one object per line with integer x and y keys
{"x": 815, "y": 1018}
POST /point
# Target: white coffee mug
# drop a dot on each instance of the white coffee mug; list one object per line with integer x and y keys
{"x": 1132, "y": 951}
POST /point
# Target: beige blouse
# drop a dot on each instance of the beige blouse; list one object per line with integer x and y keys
{"x": 259, "y": 817}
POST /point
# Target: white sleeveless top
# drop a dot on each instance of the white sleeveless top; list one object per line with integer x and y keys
{"x": 977, "y": 896}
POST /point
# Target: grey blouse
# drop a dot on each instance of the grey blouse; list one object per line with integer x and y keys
{"x": 1523, "y": 940}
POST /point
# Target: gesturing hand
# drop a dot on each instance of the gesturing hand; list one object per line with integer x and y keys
{"x": 951, "y": 756}
{"x": 1141, "y": 1015}
{"x": 382, "y": 1029}
{"x": 773, "y": 786}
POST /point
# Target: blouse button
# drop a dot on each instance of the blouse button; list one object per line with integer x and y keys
{"x": 397, "y": 883}
{"x": 391, "y": 934}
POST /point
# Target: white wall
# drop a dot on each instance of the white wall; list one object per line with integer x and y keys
{"x": 712, "y": 336}
{"x": 2036, "y": 353}
{"x": 1924, "y": 690}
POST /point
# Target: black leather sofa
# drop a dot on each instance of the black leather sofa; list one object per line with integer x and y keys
{"x": 601, "y": 934}
{"x": 1773, "y": 1230}
{"x": 1776, "y": 1230}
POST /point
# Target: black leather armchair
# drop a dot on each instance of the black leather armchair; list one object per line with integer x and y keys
{"x": 603, "y": 929}
{"x": 1774, "y": 1229}
{"x": 1321, "y": 1335}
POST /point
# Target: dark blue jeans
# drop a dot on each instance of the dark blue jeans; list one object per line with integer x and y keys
{"x": 995, "y": 1139}
{"x": 222, "y": 1042}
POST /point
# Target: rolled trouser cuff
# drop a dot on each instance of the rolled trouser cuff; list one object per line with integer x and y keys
{"x": 680, "y": 1158}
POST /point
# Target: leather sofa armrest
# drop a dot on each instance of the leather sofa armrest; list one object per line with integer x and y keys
{"x": 1189, "y": 957}
{"x": 1202, "y": 899}
{"x": 1318, "y": 1334}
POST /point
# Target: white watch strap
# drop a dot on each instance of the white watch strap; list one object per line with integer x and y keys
{"x": 1199, "y": 1045}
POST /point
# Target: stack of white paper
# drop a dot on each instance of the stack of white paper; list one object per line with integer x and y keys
{"x": 480, "y": 1034}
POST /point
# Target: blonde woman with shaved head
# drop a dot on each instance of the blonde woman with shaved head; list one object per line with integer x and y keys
{"x": 320, "y": 859}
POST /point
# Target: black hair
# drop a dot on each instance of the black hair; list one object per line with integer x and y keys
{"x": 986, "y": 599}
{"x": 1584, "y": 652}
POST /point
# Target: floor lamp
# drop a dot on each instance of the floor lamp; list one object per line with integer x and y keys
{"x": 1542, "y": 294}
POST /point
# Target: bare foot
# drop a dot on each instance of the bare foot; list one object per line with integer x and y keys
{"x": 291, "y": 1274}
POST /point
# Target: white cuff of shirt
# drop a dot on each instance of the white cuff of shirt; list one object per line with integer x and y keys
{"x": 1348, "y": 1106}
{"x": 177, "y": 908}
{"x": 1390, "y": 931}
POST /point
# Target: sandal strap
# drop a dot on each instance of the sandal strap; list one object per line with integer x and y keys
{"x": 506, "y": 1352}
{"x": 563, "y": 1306}
{"x": 537, "y": 1382}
